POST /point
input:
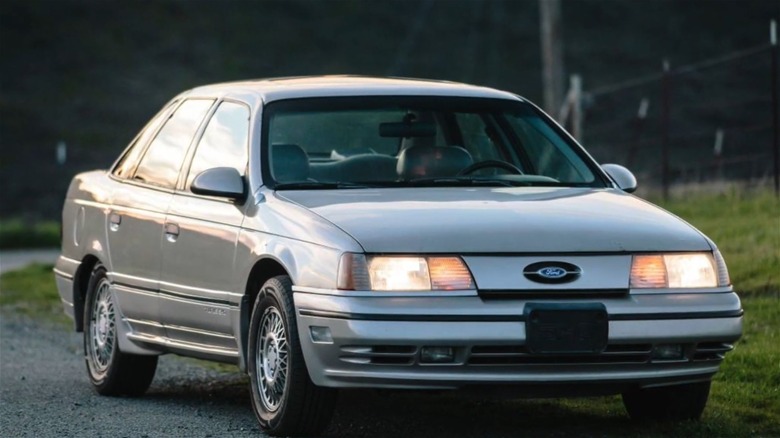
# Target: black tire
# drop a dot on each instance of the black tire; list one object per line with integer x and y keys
{"x": 110, "y": 371}
{"x": 284, "y": 399}
{"x": 670, "y": 403}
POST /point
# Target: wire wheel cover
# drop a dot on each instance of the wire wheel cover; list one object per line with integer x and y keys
{"x": 271, "y": 361}
{"x": 102, "y": 329}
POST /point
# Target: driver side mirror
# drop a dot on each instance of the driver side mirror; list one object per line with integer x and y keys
{"x": 223, "y": 182}
{"x": 623, "y": 177}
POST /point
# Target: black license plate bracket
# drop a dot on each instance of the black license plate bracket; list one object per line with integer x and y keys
{"x": 573, "y": 328}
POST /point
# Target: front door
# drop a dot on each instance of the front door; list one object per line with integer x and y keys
{"x": 200, "y": 292}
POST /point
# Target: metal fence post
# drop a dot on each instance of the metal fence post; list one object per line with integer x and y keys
{"x": 665, "y": 102}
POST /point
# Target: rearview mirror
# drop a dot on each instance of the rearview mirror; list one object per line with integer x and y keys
{"x": 407, "y": 129}
{"x": 223, "y": 182}
{"x": 623, "y": 177}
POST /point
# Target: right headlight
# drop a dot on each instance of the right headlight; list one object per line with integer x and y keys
{"x": 681, "y": 270}
{"x": 403, "y": 273}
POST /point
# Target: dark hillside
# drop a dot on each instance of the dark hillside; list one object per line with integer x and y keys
{"x": 91, "y": 73}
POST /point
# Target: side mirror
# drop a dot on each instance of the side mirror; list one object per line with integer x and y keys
{"x": 223, "y": 182}
{"x": 623, "y": 177}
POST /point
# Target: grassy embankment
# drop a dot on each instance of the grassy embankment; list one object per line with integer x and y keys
{"x": 745, "y": 398}
{"x": 17, "y": 233}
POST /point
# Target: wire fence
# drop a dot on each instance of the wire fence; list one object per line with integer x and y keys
{"x": 710, "y": 121}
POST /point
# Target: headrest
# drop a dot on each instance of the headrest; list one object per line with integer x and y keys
{"x": 289, "y": 162}
{"x": 432, "y": 161}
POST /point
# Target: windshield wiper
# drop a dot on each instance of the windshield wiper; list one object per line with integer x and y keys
{"x": 470, "y": 181}
{"x": 319, "y": 185}
{"x": 460, "y": 182}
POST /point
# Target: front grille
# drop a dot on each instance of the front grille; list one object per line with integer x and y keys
{"x": 519, "y": 355}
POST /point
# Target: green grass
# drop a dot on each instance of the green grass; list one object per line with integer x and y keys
{"x": 31, "y": 291}
{"x": 746, "y": 228}
{"x": 747, "y": 390}
{"x": 32, "y": 287}
{"x": 16, "y": 233}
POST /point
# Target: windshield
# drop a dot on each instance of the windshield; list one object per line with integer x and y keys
{"x": 411, "y": 141}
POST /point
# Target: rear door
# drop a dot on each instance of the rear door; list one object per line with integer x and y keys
{"x": 199, "y": 289}
{"x": 137, "y": 216}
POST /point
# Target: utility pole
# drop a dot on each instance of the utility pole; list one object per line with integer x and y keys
{"x": 552, "y": 55}
{"x": 575, "y": 84}
{"x": 775, "y": 106}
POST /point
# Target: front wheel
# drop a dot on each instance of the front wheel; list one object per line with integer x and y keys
{"x": 678, "y": 402}
{"x": 110, "y": 371}
{"x": 284, "y": 399}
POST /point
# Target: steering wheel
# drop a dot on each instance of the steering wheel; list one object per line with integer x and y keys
{"x": 491, "y": 163}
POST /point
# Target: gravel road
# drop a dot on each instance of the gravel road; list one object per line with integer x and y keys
{"x": 11, "y": 260}
{"x": 44, "y": 392}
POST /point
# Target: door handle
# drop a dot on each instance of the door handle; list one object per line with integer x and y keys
{"x": 171, "y": 232}
{"x": 115, "y": 220}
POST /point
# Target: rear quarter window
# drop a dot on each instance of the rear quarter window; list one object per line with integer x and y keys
{"x": 129, "y": 160}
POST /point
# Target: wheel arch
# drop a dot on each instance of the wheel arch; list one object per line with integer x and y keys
{"x": 263, "y": 270}
{"x": 80, "y": 285}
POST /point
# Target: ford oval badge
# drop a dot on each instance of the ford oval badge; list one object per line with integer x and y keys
{"x": 552, "y": 272}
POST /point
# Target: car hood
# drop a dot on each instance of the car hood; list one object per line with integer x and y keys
{"x": 504, "y": 220}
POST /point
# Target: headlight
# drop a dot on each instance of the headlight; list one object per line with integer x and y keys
{"x": 399, "y": 273}
{"x": 402, "y": 273}
{"x": 687, "y": 270}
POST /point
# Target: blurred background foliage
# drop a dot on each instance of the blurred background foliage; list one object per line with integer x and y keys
{"x": 91, "y": 73}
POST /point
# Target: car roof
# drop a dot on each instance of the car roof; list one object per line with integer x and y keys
{"x": 272, "y": 89}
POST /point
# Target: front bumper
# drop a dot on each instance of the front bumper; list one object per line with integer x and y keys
{"x": 377, "y": 340}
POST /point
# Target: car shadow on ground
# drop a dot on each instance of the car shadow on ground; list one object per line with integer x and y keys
{"x": 448, "y": 414}
{"x": 385, "y": 413}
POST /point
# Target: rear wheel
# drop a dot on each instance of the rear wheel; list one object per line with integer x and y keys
{"x": 284, "y": 399}
{"x": 111, "y": 371}
{"x": 678, "y": 402}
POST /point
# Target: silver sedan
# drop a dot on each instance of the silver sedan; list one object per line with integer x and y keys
{"x": 340, "y": 232}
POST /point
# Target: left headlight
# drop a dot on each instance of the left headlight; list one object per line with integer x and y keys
{"x": 683, "y": 270}
{"x": 403, "y": 273}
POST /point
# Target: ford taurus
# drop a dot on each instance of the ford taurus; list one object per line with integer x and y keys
{"x": 343, "y": 232}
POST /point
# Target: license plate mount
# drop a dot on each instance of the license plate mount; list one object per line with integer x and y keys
{"x": 576, "y": 328}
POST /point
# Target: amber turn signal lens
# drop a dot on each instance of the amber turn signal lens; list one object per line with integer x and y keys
{"x": 648, "y": 271}
{"x": 449, "y": 273}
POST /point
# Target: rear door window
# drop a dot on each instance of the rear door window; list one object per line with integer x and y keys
{"x": 162, "y": 162}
